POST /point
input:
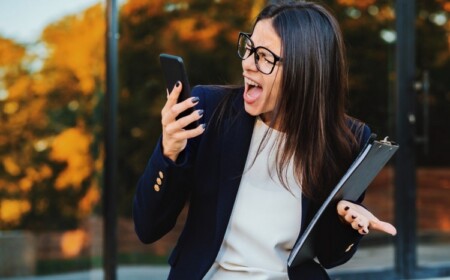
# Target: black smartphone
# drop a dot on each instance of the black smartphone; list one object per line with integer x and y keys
{"x": 174, "y": 71}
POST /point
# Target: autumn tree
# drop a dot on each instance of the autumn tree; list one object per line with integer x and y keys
{"x": 50, "y": 125}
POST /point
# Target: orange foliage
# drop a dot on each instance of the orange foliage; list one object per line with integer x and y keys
{"x": 72, "y": 242}
{"x": 446, "y": 6}
{"x": 76, "y": 43}
{"x": 200, "y": 30}
{"x": 20, "y": 87}
{"x": 89, "y": 200}
{"x": 12, "y": 209}
{"x": 74, "y": 64}
{"x": 34, "y": 175}
{"x": 25, "y": 184}
{"x": 41, "y": 84}
{"x": 386, "y": 13}
{"x": 257, "y": 6}
{"x": 147, "y": 9}
{"x": 11, "y": 166}
{"x": 72, "y": 146}
{"x": 362, "y": 4}
{"x": 10, "y": 52}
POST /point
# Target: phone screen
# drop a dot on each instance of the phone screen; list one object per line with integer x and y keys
{"x": 174, "y": 71}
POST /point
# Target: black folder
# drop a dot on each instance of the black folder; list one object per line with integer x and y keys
{"x": 374, "y": 155}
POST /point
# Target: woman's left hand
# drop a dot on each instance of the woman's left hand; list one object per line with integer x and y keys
{"x": 361, "y": 219}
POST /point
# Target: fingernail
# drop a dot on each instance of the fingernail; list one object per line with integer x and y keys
{"x": 364, "y": 231}
{"x": 353, "y": 217}
{"x": 346, "y": 208}
{"x": 200, "y": 112}
{"x": 359, "y": 225}
{"x": 195, "y": 99}
{"x": 177, "y": 84}
{"x": 204, "y": 125}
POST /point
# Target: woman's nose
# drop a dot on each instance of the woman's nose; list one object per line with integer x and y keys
{"x": 248, "y": 64}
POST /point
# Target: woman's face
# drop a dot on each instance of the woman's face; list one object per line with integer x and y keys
{"x": 261, "y": 90}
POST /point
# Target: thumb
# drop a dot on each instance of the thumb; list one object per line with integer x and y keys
{"x": 383, "y": 226}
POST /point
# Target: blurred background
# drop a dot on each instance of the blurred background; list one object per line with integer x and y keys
{"x": 52, "y": 104}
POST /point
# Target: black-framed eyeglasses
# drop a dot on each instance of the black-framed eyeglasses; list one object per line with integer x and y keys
{"x": 265, "y": 59}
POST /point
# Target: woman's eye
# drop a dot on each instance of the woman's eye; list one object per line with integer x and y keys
{"x": 264, "y": 57}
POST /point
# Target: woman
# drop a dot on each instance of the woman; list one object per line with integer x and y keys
{"x": 264, "y": 159}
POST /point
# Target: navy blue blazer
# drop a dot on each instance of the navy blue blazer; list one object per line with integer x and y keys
{"x": 207, "y": 176}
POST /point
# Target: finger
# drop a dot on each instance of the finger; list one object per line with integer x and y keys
{"x": 184, "y": 105}
{"x": 355, "y": 225}
{"x": 191, "y": 133}
{"x": 351, "y": 215}
{"x": 384, "y": 227}
{"x": 170, "y": 115}
{"x": 184, "y": 121}
{"x": 377, "y": 224}
{"x": 359, "y": 223}
{"x": 343, "y": 206}
{"x": 363, "y": 231}
{"x": 175, "y": 93}
{"x": 172, "y": 97}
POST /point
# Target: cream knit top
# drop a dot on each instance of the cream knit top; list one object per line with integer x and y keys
{"x": 265, "y": 221}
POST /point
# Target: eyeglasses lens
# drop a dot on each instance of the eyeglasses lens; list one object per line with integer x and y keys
{"x": 244, "y": 46}
{"x": 264, "y": 59}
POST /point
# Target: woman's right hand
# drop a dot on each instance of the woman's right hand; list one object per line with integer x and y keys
{"x": 174, "y": 136}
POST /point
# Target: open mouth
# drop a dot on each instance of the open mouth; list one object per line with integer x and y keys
{"x": 252, "y": 92}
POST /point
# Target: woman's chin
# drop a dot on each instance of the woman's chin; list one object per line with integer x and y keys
{"x": 251, "y": 110}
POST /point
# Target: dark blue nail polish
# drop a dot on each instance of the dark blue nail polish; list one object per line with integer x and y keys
{"x": 204, "y": 125}
{"x": 195, "y": 99}
{"x": 200, "y": 112}
{"x": 346, "y": 208}
{"x": 177, "y": 84}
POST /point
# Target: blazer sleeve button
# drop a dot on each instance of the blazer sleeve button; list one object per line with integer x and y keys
{"x": 156, "y": 188}
{"x": 158, "y": 181}
{"x": 349, "y": 247}
{"x": 161, "y": 175}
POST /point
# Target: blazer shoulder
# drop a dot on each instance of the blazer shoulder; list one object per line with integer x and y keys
{"x": 360, "y": 130}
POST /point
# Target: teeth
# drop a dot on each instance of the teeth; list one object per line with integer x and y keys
{"x": 252, "y": 83}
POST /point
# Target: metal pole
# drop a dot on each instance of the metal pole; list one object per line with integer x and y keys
{"x": 405, "y": 172}
{"x": 110, "y": 183}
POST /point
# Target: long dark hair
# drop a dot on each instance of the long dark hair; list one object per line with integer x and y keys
{"x": 311, "y": 106}
{"x": 310, "y": 109}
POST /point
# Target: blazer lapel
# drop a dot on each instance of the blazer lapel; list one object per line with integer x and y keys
{"x": 235, "y": 142}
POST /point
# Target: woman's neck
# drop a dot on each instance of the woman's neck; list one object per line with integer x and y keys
{"x": 267, "y": 119}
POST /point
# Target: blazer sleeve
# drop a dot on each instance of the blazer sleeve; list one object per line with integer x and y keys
{"x": 164, "y": 188}
{"x": 337, "y": 241}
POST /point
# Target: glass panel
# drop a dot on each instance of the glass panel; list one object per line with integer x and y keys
{"x": 368, "y": 28}
{"x": 51, "y": 87}
{"x": 433, "y": 113}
